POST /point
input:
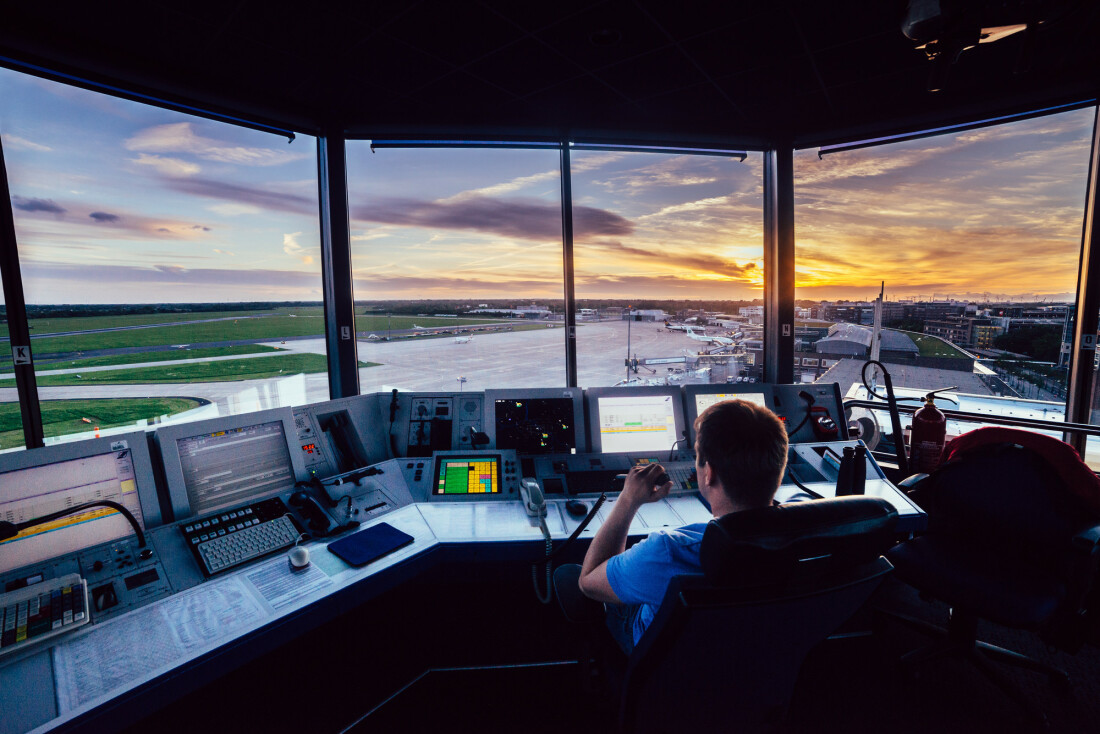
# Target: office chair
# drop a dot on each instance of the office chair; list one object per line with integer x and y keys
{"x": 725, "y": 647}
{"x": 1014, "y": 538}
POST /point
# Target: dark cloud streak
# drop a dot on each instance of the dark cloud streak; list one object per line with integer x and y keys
{"x": 273, "y": 200}
{"x": 528, "y": 219}
{"x": 105, "y": 217}
{"x": 29, "y": 204}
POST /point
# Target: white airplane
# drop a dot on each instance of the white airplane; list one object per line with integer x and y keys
{"x": 677, "y": 327}
{"x": 719, "y": 340}
{"x": 374, "y": 338}
{"x": 417, "y": 326}
{"x": 463, "y": 339}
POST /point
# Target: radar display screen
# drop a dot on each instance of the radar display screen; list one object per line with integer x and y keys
{"x": 536, "y": 425}
{"x": 465, "y": 475}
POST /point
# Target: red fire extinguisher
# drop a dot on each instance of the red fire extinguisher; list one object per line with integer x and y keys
{"x": 928, "y": 436}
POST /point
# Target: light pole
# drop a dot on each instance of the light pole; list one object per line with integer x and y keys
{"x": 628, "y": 320}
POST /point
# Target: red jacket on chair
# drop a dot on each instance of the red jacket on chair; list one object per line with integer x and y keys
{"x": 1076, "y": 474}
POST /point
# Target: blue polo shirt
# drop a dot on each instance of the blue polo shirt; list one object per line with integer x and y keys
{"x": 640, "y": 575}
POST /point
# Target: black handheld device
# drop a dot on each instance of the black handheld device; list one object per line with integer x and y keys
{"x": 370, "y": 544}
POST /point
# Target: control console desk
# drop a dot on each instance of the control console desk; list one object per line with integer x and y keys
{"x": 163, "y": 620}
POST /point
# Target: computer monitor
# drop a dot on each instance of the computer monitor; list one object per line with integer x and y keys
{"x": 459, "y": 475}
{"x": 228, "y": 461}
{"x": 698, "y": 398}
{"x": 536, "y": 420}
{"x": 36, "y": 482}
{"x": 642, "y": 418}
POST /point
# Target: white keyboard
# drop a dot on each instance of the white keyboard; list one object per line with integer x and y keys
{"x": 225, "y": 551}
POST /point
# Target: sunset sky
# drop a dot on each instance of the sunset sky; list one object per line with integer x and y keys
{"x": 119, "y": 202}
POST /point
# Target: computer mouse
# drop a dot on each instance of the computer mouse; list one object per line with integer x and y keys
{"x": 298, "y": 556}
{"x": 576, "y": 508}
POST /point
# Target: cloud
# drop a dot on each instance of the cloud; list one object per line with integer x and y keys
{"x": 499, "y": 189}
{"x": 244, "y": 196}
{"x": 171, "y": 167}
{"x": 29, "y": 204}
{"x": 528, "y": 219}
{"x": 234, "y": 209}
{"x": 623, "y": 255}
{"x": 169, "y": 273}
{"x": 14, "y": 142}
{"x": 292, "y": 248}
{"x": 180, "y": 137}
{"x": 105, "y": 217}
{"x": 223, "y": 252}
{"x": 470, "y": 287}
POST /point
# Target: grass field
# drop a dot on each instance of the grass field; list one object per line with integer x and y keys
{"x": 154, "y": 357}
{"x": 201, "y": 328}
{"x": 61, "y": 417}
{"x": 221, "y": 371}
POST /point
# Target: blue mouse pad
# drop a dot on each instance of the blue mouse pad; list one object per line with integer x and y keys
{"x": 370, "y": 544}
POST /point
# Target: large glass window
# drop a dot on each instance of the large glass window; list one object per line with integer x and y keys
{"x": 668, "y": 258}
{"x": 170, "y": 264}
{"x": 457, "y": 260}
{"x": 11, "y": 420}
{"x": 977, "y": 238}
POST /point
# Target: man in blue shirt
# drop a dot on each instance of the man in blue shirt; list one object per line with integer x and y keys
{"x": 740, "y": 456}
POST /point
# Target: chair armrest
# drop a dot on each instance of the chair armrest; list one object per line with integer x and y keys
{"x": 1087, "y": 540}
{"x": 1071, "y": 627}
{"x": 911, "y": 481}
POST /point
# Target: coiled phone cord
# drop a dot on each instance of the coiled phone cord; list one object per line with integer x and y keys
{"x": 547, "y": 596}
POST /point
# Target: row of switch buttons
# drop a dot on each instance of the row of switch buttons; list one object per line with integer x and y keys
{"x": 419, "y": 470}
{"x": 195, "y": 540}
{"x": 51, "y": 609}
{"x": 215, "y": 521}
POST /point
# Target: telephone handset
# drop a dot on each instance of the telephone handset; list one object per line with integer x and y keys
{"x": 534, "y": 503}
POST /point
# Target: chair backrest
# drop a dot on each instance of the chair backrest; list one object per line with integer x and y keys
{"x": 724, "y": 650}
{"x": 1002, "y": 491}
{"x": 1035, "y": 507}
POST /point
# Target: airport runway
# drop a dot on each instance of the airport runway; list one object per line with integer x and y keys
{"x": 495, "y": 360}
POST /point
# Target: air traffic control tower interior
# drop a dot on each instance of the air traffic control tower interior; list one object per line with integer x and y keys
{"x": 377, "y": 559}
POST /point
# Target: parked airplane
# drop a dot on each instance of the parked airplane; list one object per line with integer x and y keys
{"x": 677, "y": 327}
{"x": 719, "y": 340}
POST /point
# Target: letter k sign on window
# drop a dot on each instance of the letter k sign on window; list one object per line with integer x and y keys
{"x": 21, "y": 354}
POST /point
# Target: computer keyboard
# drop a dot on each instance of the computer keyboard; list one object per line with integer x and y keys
{"x": 41, "y": 611}
{"x": 232, "y": 537}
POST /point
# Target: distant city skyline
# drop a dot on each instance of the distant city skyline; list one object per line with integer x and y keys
{"x": 117, "y": 202}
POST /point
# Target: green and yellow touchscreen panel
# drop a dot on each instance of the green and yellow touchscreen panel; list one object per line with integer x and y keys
{"x": 466, "y": 475}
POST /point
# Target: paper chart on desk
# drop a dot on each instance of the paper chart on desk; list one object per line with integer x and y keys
{"x": 128, "y": 649}
{"x": 281, "y": 586}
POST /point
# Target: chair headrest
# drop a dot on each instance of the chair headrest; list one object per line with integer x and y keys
{"x": 776, "y": 543}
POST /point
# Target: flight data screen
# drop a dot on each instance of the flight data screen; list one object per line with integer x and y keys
{"x": 235, "y": 466}
{"x": 535, "y": 425}
{"x": 466, "y": 475}
{"x": 38, "y": 491}
{"x": 637, "y": 423}
{"x": 704, "y": 401}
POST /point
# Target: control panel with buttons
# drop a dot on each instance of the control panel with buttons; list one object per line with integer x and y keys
{"x": 457, "y": 476}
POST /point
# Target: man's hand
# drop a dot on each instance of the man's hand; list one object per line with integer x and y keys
{"x": 641, "y": 485}
{"x": 640, "y": 488}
